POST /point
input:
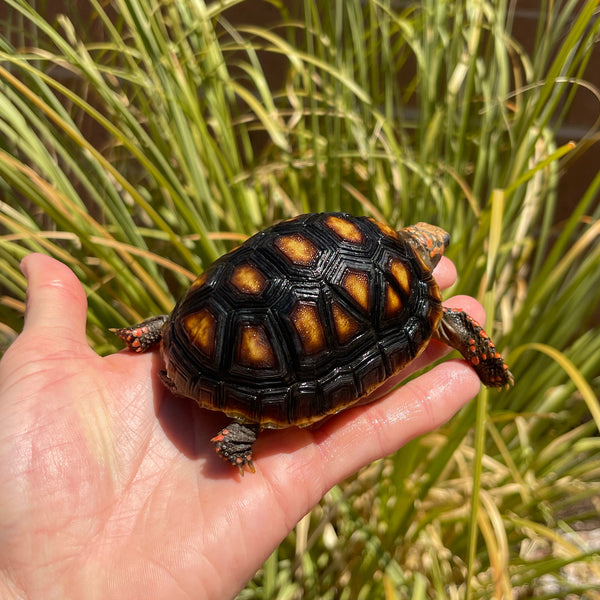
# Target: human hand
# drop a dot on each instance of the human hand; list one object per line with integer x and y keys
{"x": 110, "y": 488}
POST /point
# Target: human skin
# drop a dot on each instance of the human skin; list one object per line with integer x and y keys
{"x": 110, "y": 488}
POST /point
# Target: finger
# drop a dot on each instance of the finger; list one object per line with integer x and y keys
{"x": 56, "y": 301}
{"x": 321, "y": 456}
{"x": 435, "y": 350}
{"x": 358, "y": 436}
{"x": 468, "y": 304}
{"x": 445, "y": 273}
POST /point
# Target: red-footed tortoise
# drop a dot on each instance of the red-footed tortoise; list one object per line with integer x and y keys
{"x": 305, "y": 319}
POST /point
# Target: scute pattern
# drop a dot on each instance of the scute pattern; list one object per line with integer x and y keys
{"x": 247, "y": 279}
{"x": 312, "y": 314}
{"x": 308, "y": 326}
{"x": 200, "y": 328}
{"x": 357, "y": 284}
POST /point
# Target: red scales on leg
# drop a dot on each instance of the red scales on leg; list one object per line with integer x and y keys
{"x": 234, "y": 444}
{"x": 143, "y": 336}
{"x": 459, "y": 330}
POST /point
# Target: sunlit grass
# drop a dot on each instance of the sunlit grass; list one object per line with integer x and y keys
{"x": 139, "y": 146}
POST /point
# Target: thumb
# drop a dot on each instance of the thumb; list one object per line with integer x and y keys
{"x": 56, "y": 303}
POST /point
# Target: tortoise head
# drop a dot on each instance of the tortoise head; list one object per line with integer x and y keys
{"x": 429, "y": 241}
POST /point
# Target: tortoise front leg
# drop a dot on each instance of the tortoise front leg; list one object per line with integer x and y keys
{"x": 144, "y": 335}
{"x": 460, "y": 331}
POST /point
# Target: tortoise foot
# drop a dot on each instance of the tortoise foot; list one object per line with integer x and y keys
{"x": 459, "y": 330}
{"x": 234, "y": 444}
{"x": 144, "y": 335}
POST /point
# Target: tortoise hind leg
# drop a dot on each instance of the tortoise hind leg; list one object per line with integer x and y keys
{"x": 144, "y": 335}
{"x": 460, "y": 331}
{"x": 234, "y": 444}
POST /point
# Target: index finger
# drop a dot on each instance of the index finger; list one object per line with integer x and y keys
{"x": 445, "y": 273}
{"x": 321, "y": 456}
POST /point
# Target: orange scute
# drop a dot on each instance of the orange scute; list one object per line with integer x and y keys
{"x": 248, "y": 279}
{"x": 307, "y": 323}
{"x": 297, "y": 249}
{"x": 344, "y": 229}
{"x": 201, "y": 327}
{"x": 357, "y": 284}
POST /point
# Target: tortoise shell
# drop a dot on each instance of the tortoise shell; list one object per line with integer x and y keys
{"x": 302, "y": 320}
{"x": 305, "y": 319}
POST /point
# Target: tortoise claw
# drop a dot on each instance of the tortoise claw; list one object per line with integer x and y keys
{"x": 248, "y": 464}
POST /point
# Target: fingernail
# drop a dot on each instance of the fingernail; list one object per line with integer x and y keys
{"x": 23, "y": 266}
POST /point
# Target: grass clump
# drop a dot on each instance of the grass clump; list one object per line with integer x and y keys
{"x": 142, "y": 142}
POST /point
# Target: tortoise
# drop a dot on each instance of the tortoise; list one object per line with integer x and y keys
{"x": 305, "y": 319}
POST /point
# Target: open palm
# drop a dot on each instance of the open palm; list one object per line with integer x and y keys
{"x": 109, "y": 487}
